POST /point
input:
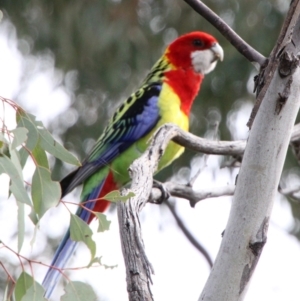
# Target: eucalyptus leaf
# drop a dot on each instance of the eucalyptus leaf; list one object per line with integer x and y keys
{"x": 45, "y": 192}
{"x": 115, "y": 196}
{"x": 80, "y": 231}
{"x": 21, "y": 224}
{"x": 40, "y": 156}
{"x": 78, "y": 291}
{"x": 24, "y": 282}
{"x": 20, "y": 136}
{"x": 33, "y": 136}
{"x": 56, "y": 149}
{"x": 99, "y": 261}
{"x": 103, "y": 222}
{"x": 17, "y": 183}
{"x": 34, "y": 293}
{"x": 28, "y": 123}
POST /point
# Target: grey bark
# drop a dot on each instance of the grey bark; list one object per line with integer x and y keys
{"x": 278, "y": 89}
{"x": 246, "y": 231}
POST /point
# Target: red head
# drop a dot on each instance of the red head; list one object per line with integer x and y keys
{"x": 191, "y": 56}
{"x": 197, "y": 50}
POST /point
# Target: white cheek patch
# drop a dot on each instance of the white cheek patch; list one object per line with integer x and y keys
{"x": 203, "y": 61}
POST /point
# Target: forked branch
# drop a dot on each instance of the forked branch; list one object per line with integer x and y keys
{"x": 138, "y": 267}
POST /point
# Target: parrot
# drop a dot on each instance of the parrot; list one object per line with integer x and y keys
{"x": 165, "y": 96}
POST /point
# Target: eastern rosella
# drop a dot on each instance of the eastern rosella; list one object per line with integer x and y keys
{"x": 166, "y": 95}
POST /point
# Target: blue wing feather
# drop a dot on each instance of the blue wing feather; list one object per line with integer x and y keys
{"x": 134, "y": 123}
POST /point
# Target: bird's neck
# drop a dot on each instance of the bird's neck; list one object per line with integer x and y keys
{"x": 184, "y": 82}
{"x": 156, "y": 74}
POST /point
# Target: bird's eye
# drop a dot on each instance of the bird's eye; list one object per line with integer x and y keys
{"x": 197, "y": 43}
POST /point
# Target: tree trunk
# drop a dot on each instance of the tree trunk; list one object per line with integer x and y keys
{"x": 258, "y": 179}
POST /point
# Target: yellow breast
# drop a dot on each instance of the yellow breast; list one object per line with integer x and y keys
{"x": 169, "y": 110}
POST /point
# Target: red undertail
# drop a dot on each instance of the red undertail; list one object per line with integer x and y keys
{"x": 108, "y": 186}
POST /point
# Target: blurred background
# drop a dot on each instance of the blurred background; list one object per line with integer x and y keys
{"x": 71, "y": 63}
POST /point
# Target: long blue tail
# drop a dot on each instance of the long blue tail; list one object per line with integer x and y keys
{"x": 67, "y": 247}
{"x": 61, "y": 257}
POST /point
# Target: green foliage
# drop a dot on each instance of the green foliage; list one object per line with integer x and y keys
{"x": 98, "y": 260}
{"x": 34, "y": 141}
{"x": 21, "y": 224}
{"x": 27, "y": 289}
{"x": 30, "y": 141}
{"x": 20, "y": 136}
{"x": 78, "y": 291}
{"x": 40, "y": 136}
{"x": 45, "y": 193}
{"x": 115, "y": 196}
{"x": 54, "y": 148}
{"x": 103, "y": 222}
{"x": 80, "y": 231}
{"x": 17, "y": 188}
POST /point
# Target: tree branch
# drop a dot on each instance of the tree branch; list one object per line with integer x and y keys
{"x": 188, "y": 234}
{"x": 187, "y": 192}
{"x": 242, "y": 46}
{"x": 138, "y": 267}
{"x": 263, "y": 79}
{"x": 257, "y": 185}
{"x": 198, "y": 144}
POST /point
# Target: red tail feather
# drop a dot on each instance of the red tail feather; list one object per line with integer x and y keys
{"x": 102, "y": 205}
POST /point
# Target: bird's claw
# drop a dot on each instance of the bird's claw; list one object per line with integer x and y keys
{"x": 164, "y": 192}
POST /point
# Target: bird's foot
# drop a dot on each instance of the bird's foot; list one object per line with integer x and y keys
{"x": 164, "y": 193}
